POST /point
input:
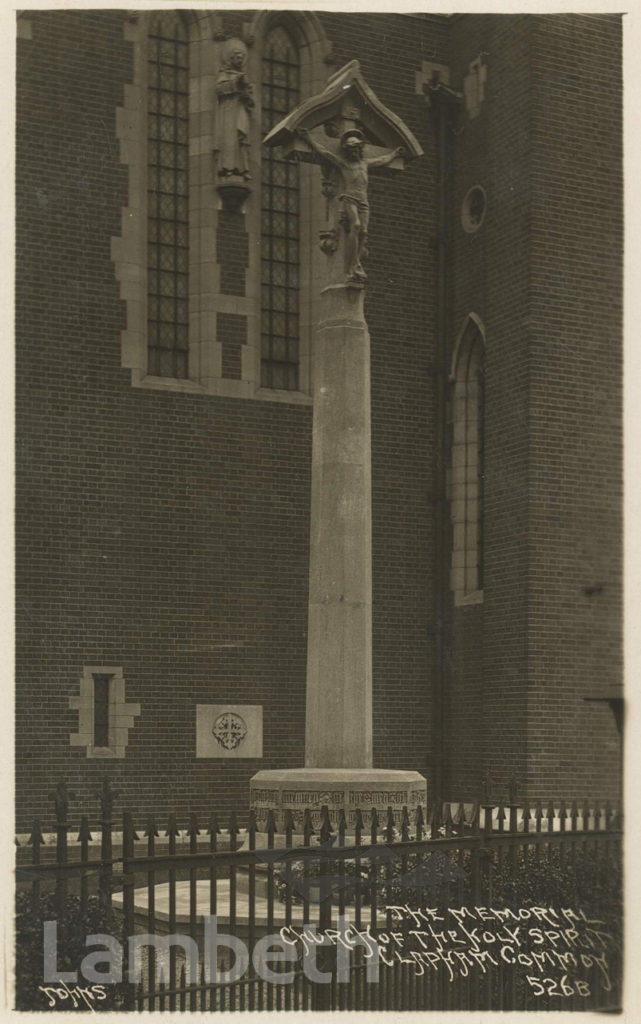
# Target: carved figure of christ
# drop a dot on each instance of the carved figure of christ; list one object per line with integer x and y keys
{"x": 352, "y": 167}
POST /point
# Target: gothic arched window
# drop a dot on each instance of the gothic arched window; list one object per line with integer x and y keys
{"x": 280, "y": 220}
{"x": 215, "y": 298}
{"x": 467, "y": 473}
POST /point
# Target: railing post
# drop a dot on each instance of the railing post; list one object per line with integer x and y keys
{"x": 233, "y": 831}
{"x": 359, "y": 825}
{"x": 61, "y": 798}
{"x": 193, "y": 833}
{"x": 151, "y": 834}
{"x": 84, "y": 838}
{"x": 326, "y": 957}
{"x": 36, "y": 840}
{"x": 128, "y": 886}
{"x": 107, "y": 798}
{"x": 252, "y": 829}
{"x": 513, "y": 823}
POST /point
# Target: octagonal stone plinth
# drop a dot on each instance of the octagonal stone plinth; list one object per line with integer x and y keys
{"x": 348, "y": 789}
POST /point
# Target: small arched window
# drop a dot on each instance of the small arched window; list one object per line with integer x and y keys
{"x": 467, "y": 471}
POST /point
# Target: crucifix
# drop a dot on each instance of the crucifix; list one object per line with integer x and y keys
{"x": 348, "y": 166}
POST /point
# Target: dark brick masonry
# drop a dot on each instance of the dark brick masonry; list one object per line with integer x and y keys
{"x": 167, "y": 533}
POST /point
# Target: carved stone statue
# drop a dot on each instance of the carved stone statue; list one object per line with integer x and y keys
{"x": 351, "y": 167}
{"x": 234, "y": 94}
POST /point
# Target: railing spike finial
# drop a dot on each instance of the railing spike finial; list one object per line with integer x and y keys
{"x": 151, "y": 830}
{"x": 475, "y": 818}
{"x": 513, "y": 790}
{"x": 308, "y": 827}
{"x": 420, "y": 822}
{"x": 405, "y": 825}
{"x": 359, "y": 824}
{"x": 84, "y": 834}
{"x": 342, "y": 826}
{"x": 36, "y": 837}
{"x": 61, "y": 797}
{"x": 487, "y": 787}
{"x": 390, "y": 826}
{"x": 252, "y": 826}
{"x": 290, "y": 824}
{"x": 107, "y": 796}
{"x": 193, "y": 831}
{"x": 270, "y": 827}
{"x": 214, "y": 828}
{"x": 326, "y": 830}
{"x": 128, "y": 826}
{"x": 374, "y": 825}
{"x": 172, "y": 827}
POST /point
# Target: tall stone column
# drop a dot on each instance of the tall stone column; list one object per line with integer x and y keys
{"x": 332, "y": 129}
{"x": 339, "y": 645}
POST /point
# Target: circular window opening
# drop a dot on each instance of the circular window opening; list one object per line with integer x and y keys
{"x": 473, "y": 209}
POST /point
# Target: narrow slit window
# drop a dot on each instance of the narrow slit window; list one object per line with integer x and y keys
{"x": 101, "y": 684}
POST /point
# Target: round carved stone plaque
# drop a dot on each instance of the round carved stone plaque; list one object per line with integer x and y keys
{"x": 230, "y": 730}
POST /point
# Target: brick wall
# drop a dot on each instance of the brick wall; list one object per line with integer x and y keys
{"x": 575, "y": 401}
{"x": 167, "y": 533}
{"x": 543, "y": 273}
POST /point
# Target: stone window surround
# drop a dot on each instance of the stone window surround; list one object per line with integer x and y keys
{"x": 463, "y": 504}
{"x": 129, "y": 250}
{"x": 121, "y": 714}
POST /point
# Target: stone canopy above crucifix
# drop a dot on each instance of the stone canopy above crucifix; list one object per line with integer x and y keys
{"x": 349, "y": 132}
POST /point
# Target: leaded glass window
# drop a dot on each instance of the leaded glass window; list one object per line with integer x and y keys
{"x": 168, "y": 196}
{"x": 280, "y": 233}
{"x": 467, "y": 491}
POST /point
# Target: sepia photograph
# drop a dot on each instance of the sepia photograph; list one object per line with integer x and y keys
{"x": 319, "y": 695}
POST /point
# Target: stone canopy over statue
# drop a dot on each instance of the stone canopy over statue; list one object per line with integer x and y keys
{"x": 350, "y": 132}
